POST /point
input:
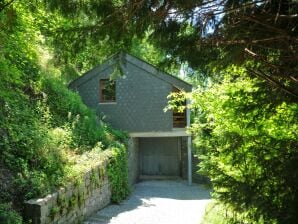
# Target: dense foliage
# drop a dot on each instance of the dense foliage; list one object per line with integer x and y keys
{"x": 118, "y": 174}
{"x": 44, "y": 127}
{"x": 205, "y": 34}
{"x": 245, "y": 130}
{"x": 247, "y": 144}
{"x": 8, "y": 215}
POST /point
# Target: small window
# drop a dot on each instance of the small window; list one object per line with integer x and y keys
{"x": 107, "y": 90}
{"x": 179, "y": 117}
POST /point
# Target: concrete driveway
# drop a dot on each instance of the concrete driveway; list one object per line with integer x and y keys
{"x": 157, "y": 202}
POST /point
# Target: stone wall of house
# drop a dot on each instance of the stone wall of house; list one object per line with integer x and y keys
{"x": 73, "y": 203}
{"x": 133, "y": 161}
{"x": 141, "y": 94}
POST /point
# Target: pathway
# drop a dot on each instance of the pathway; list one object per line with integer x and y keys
{"x": 157, "y": 202}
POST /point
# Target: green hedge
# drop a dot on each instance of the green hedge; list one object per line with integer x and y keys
{"x": 118, "y": 173}
{"x": 247, "y": 144}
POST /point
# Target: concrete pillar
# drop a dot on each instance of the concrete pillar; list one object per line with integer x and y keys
{"x": 189, "y": 155}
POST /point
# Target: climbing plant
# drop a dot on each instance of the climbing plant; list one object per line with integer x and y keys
{"x": 117, "y": 171}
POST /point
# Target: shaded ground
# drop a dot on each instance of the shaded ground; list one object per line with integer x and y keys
{"x": 157, "y": 202}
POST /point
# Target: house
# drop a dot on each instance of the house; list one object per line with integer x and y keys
{"x": 131, "y": 95}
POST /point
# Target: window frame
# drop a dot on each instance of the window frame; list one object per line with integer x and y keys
{"x": 179, "y": 119}
{"x": 102, "y": 83}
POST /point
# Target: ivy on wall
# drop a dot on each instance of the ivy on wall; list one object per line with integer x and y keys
{"x": 117, "y": 171}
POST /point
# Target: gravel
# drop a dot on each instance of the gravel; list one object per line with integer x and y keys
{"x": 157, "y": 202}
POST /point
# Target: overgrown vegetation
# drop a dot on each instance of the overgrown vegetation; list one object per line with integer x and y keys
{"x": 8, "y": 215}
{"x": 44, "y": 127}
{"x": 245, "y": 128}
{"x": 247, "y": 144}
{"x": 117, "y": 172}
{"x": 215, "y": 214}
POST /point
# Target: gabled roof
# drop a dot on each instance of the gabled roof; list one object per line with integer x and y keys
{"x": 125, "y": 57}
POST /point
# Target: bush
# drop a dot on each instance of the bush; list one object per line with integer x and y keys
{"x": 215, "y": 214}
{"x": 247, "y": 143}
{"x": 118, "y": 173}
{"x": 8, "y": 215}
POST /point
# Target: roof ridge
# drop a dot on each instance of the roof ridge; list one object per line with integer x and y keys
{"x": 152, "y": 69}
{"x": 155, "y": 67}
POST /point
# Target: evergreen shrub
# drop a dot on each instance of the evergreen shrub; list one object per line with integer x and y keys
{"x": 247, "y": 142}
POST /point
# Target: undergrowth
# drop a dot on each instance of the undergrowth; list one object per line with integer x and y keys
{"x": 214, "y": 214}
{"x": 8, "y": 215}
{"x": 45, "y": 129}
{"x": 117, "y": 173}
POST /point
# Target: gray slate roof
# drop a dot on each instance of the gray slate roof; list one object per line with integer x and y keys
{"x": 125, "y": 57}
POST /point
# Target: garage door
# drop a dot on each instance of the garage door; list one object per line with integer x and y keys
{"x": 160, "y": 156}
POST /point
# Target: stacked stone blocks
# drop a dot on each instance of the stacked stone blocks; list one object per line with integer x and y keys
{"x": 73, "y": 203}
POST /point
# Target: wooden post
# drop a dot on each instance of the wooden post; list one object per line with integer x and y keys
{"x": 189, "y": 156}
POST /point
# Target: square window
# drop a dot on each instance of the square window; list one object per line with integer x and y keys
{"x": 107, "y": 90}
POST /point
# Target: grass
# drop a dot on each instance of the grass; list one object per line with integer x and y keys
{"x": 215, "y": 214}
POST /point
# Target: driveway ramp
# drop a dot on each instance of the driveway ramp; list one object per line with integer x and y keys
{"x": 157, "y": 202}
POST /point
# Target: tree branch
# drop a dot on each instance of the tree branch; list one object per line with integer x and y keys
{"x": 231, "y": 10}
{"x": 6, "y": 5}
{"x": 253, "y": 19}
{"x": 262, "y": 58}
{"x": 288, "y": 16}
{"x": 274, "y": 82}
{"x": 277, "y": 14}
{"x": 246, "y": 42}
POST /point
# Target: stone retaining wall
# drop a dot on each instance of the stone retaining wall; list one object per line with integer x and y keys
{"x": 73, "y": 203}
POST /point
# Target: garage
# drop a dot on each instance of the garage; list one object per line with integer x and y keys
{"x": 160, "y": 157}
